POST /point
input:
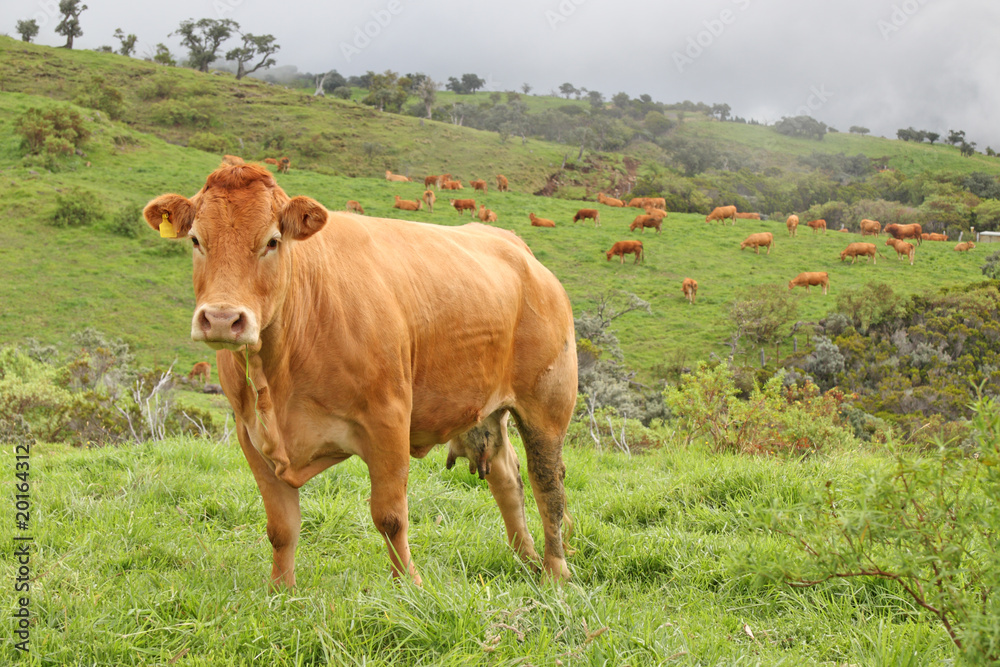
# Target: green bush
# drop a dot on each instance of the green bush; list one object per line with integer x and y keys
{"x": 99, "y": 94}
{"x": 156, "y": 88}
{"x": 77, "y": 208}
{"x": 929, "y": 523}
{"x": 176, "y": 113}
{"x": 128, "y": 221}
{"x": 210, "y": 143}
{"x": 55, "y": 131}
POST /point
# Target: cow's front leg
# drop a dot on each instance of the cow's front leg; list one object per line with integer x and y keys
{"x": 284, "y": 518}
{"x": 389, "y": 471}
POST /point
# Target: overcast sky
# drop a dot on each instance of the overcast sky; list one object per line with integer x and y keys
{"x": 884, "y": 64}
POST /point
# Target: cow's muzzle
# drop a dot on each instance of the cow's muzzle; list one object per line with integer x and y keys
{"x": 224, "y": 327}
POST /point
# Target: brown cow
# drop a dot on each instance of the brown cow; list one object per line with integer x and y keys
{"x": 270, "y": 160}
{"x": 855, "y": 250}
{"x": 902, "y": 232}
{"x": 639, "y": 202}
{"x": 588, "y": 213}
{"x": 429, "y": 199}
{"x": 748, "y": 216}
{"x": 643, "y": 221}
{"x": 452, "y": 185}
{"x": 284, "y": 165}
{"x": 658, "y": 212}
{"x": 431, "y": 180}
{"x": 934, "y": 237}
{"x": 232, "y": 159}
{"x": 690, "y": 288}
{"x": 407, "y": 205}
{"x": 486, "y": 215}
{"x": 807, "y": 278}
{"x": 397, "y": 178}
{"x": 357, "y": 342}
{"x": 903, "y": 249}
{"x": 792, "y": 224}
{"x": 479, "y": 184}
{"x": 870, "y": 227}
{"x": 540, "y": 222}
{"x": 463, "y": 205}
{"x": 622, "y": 248}
{"x": 202, "y": 369}
{"x": 355, "y": 207}
{"x": 817, "y": 225}
{"x": 442, "y": 179}
{"x": 722, "y": 213}
{"x": 655, "y": 202}
{"x": 965, "y": 246}
{"x": 502, "y": 184}
{"x": 757, "y": 240}
{"x": 609, "y": 201}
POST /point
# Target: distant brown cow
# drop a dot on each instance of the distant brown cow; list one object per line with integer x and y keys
{"x": 903, "y": 249}
{"x": 807, "y": 278}
{"x": 622, "y": 248}
{"x": 609, "y": 201}
{"x": 656, "y": 202}
{"x": 901, "y": 232}
{"x": 486, "y": 215}
{"x": 355, "y": 207}
{"x": 270, "y": 160}
{"x": 748, "y": 216}
{"x": 855, "y": 250}
{"x": 232, "y": 159}
{"x": 284, "y": 165}
{"x": 451, "y": 185}
{"x": 463, "y": 205}
{"x": 722, "y": 213}
{"x": 398, "y": 178}
{"x": 479, "y": 185}
{"x": 870, "y": 227}
{"x": 658, "y": 212}
{"x": 588, "y": 214}
{"x": 502, "y": 184}
{"x": 690, "y": 289}
{"x": 817, "y": 225}
{"x": 407, "y": 205}
{"x": 643, "y": 221}
{"x": 792, "y": 224}
{"x": 934, "y": 237}
{"x": 757, "y": 240}
{"x": 540, "y": 222}
{"x": 965, "y": 246}
{"x": 202, "y": 369}
{"x": 429, "y": 199}
{"x": 430, "y": 180}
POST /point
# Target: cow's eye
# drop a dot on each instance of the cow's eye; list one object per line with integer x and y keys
{"x": 272, "y": 244}
{"x": 194, "y": 241}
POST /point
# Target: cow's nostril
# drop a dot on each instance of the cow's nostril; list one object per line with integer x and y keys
{"x": 204, "y": 323}
{"x": 238, "y": 325}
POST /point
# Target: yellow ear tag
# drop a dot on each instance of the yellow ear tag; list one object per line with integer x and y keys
{"x": 166, "y": 229}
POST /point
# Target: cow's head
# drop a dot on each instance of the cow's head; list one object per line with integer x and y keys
{"x": 242, "y": 227}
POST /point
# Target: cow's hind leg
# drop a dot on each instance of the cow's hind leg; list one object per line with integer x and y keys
{"x": 389, "y": 472}
{"x": 284, "y": 518}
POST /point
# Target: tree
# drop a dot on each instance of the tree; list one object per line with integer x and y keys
{"x": 328, "y": 82}
{"x": 128, "y": 42}
{"x": 203, "y": 39}
{"x": 567, "y": 89}
{"x": 525, "y": 88}
{"x": 657, "y": 124}
{"x": 595, "y": 98}
{"x": 621, "y": 100}
{"x": 163, "y": 56}
{"x": 956, "y": 136}
{"x": 427, "y": 92}
{"x": 721, "y": 110}
{"x": 801, "y": 126}
{"x": 931, "y": 136}
{"x": 69, "y": 27}
{"x": 471, "y": 83}
{"x": 27, "y": 29}
{"x": 254, "y": 46}
{"x": 386, "y": 92}
{"x": 858, "y": 129}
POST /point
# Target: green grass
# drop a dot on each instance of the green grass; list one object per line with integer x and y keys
{"x": 151, "y": 552}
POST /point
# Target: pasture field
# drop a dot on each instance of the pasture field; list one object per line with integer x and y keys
{"x": 140, "y": 288}
{"x": 156, "y": 554}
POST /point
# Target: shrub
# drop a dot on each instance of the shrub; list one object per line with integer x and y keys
{"x": 51, "y": 131}
{"x": 928, "y": 523}
{"x": 100, "y": 95}
{"x": 208, "y": 142}
{"x": 128, "y": 221}
{"x": 77, "y": 208}
{"x": 991, "y": 268}
{"x": 156, "y": 88}
{"x": 342, "y": 92}
{"x": 178, "y": 113}
{"x": 607, "y": 428}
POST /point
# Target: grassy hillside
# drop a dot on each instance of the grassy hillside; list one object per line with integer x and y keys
{"x": 140, "y": 288}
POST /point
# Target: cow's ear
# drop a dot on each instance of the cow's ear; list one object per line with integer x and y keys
{"x": 175, "y": 210}
{"x": 301, "y": 218}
